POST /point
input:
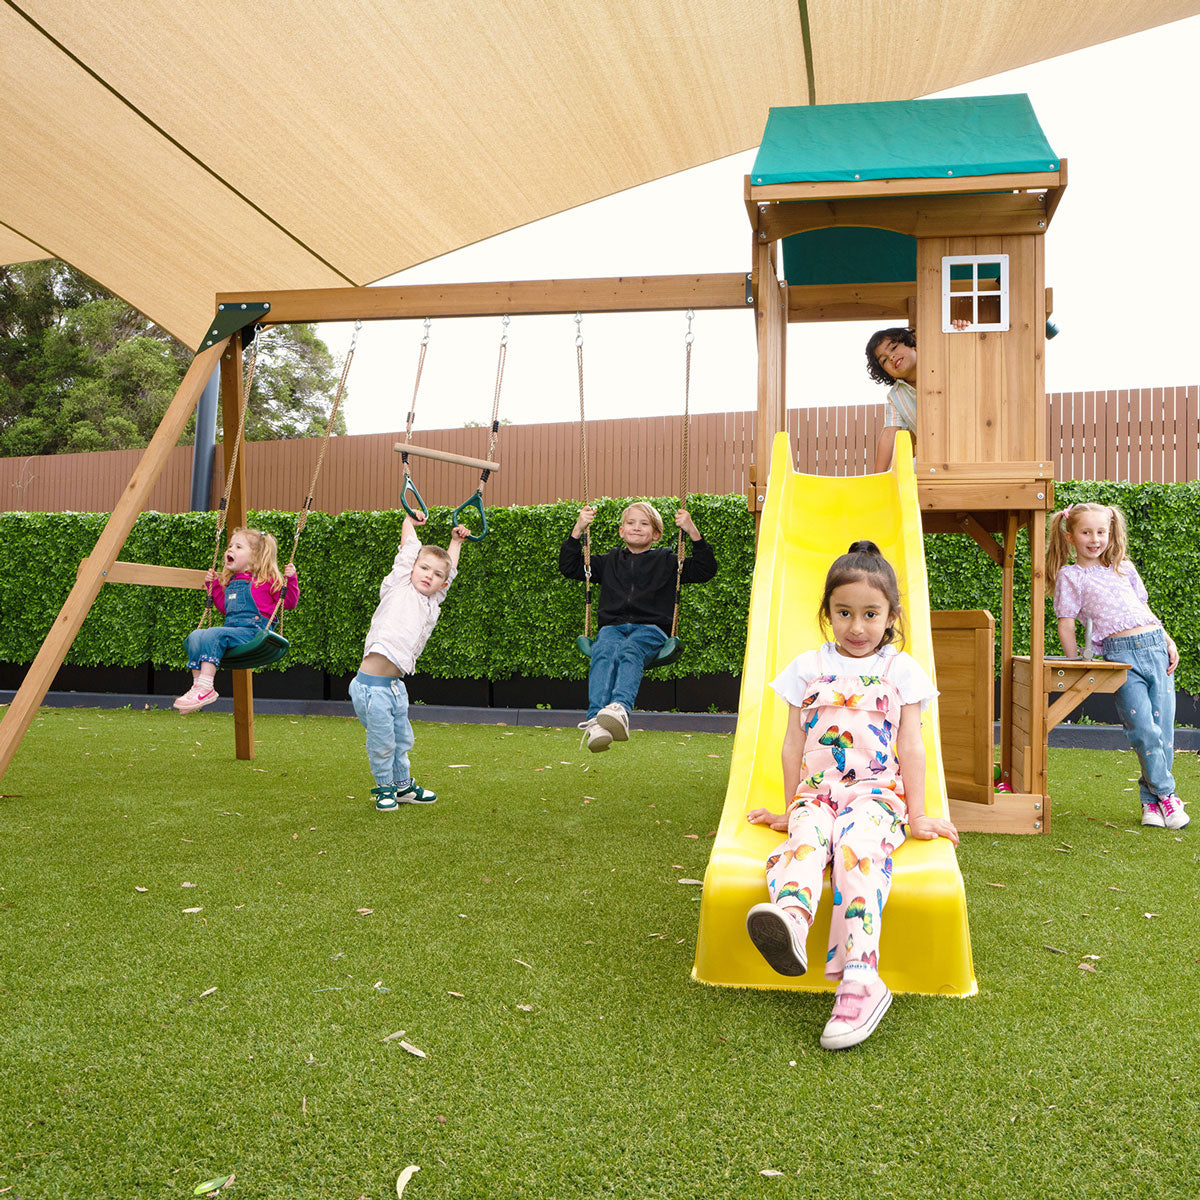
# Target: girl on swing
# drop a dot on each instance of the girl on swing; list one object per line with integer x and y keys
{"x": 246, "y": 591}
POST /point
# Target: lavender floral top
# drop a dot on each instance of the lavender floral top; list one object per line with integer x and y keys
{"x": 1111, "y": 598}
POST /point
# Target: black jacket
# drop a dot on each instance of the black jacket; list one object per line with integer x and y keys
{"x": 637, "y": 589}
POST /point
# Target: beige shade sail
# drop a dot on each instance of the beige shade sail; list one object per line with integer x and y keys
{"x": 173, "y": 151}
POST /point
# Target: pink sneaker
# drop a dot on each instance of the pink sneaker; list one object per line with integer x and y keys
{"x": 197, "y": 696}
{"x": 857, "y": 1009}
{"x": 1173, "y": 814}
{"x": 1152, "y": 815}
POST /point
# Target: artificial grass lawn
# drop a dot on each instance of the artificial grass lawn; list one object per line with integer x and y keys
{"x": 580, "y": 1059}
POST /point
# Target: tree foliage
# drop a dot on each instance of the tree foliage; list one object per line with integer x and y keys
{"x": 81, "y": 370}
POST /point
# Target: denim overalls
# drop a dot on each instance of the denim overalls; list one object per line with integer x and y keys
{"x": 242, "y": 621}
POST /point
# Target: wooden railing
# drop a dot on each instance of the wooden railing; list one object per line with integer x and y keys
{"x": 1134, "y": 436}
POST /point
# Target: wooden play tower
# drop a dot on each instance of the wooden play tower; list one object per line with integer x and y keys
{"x": 926, "y": 213}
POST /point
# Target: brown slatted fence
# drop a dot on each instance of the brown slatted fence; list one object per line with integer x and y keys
{"x": 1131, "y": 435}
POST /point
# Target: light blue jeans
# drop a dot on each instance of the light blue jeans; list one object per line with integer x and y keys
{"x": 619, "y": 657}
{"x": 381, "y": 704}
{"x": 1146, "y": 706}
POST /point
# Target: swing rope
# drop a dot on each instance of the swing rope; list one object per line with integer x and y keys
{"x": 223, "y": 509}
{"x": 476, "y": 501}
{"x": 302, "y": 515}
{"x": 683, "y": 477}
{"x": 583, "y": 454}
{"x": 409, "y": 485}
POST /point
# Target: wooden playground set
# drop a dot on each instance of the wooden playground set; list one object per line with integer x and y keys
{"x": 886, "y": 212}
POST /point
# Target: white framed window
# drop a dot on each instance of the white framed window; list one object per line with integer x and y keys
{"x": 975, "y": 290}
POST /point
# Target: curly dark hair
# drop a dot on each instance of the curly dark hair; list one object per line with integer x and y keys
{"x": 906, "y": 337}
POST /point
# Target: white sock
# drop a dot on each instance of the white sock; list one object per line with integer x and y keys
{"x": 859, "y": 972}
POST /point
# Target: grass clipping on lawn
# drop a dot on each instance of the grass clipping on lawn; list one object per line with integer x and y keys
{"x": 213, "y": 968}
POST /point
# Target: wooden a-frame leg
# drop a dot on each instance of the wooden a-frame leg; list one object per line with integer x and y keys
{"x": 92, "y": 571}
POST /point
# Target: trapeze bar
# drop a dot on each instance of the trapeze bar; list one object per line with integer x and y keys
{"x": 481, "y": 464}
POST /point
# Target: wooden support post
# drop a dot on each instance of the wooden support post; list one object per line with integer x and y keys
{"x": 231, "y": 409}
{"x": 1011, "y": 526}
{"x": 92, "y": 570}
{"x": 1038, "y": 732}
{"x": 770, "y": 312}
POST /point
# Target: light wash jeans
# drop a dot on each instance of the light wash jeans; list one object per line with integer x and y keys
{"x": 1146, "y": 706}
{"x": 381, "y": 704}
{"x": 619, "y": 657}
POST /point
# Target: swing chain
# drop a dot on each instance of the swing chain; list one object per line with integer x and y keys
{"x": 583, "y": 454}
{"x": 683, "y": 478}
{"x": 249, "y": 368}
{"x": 302, "y": 515}
{"x": 500, "y": 360}
{"x": 412, "y": 408}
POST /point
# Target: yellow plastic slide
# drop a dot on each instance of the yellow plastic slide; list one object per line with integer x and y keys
{"x": 807, "y": 521}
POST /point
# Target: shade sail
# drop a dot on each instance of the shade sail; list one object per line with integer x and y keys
{"x": 173, "y": 151}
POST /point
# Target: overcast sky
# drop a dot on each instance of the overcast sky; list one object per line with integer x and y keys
{"x": 1121, "y": 256}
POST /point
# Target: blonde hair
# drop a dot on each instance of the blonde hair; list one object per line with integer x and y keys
{"x": 1060, "y": 550}
{"x": 438, "y": 552}
{"x": 264, "y": 558}
{"x": 648, "y": 511}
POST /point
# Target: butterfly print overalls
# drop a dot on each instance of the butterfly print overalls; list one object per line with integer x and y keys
{"x": 848, "y": 811}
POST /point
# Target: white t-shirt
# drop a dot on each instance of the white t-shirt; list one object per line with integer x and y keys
{"x": 404, "y": 618}
{"x": 909, "y": 677}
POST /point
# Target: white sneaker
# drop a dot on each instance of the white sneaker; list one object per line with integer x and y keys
{"x": 1152, "y": 815}
{"x": 615, "y": 719}
{"x": 1173, "y": 814}
{"x": 781, "y": 938}
{"x": 596, "y": 736}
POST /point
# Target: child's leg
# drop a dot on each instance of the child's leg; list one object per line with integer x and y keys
{"x": 1146, "y": 708}
{"x": 640, "y": 644}
{"x": 204, "y": 650}
{"x": 794, "y": 869}
{"x": 402, "y": 734}
{"x": 779, "y": 930}
{"x": 372, "y": 706}
{"x": 602, "y": 673}
{"x": 864, "y": 835}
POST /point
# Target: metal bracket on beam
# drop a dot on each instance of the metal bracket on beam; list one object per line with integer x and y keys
{"x": 750, "y": 289}
{"x": 232, "y": 317}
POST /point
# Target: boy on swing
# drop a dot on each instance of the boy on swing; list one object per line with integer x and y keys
{"x": 637, "y": 598}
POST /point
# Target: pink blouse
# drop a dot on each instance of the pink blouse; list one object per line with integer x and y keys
{"x": 1111, "y": 598}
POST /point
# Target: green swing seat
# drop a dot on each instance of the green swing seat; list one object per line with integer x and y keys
{"x": 265, "y": 647}
{"x": 668, "y": 652}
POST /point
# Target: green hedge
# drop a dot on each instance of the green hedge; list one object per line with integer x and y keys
{"x": 510, "y": 613}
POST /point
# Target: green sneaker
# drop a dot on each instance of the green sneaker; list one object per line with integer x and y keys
{"x": 414, "y": 794}
{"x": 385, "y": 798}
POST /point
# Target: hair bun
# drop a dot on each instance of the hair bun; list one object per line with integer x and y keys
{"x": 864, "y": 547}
